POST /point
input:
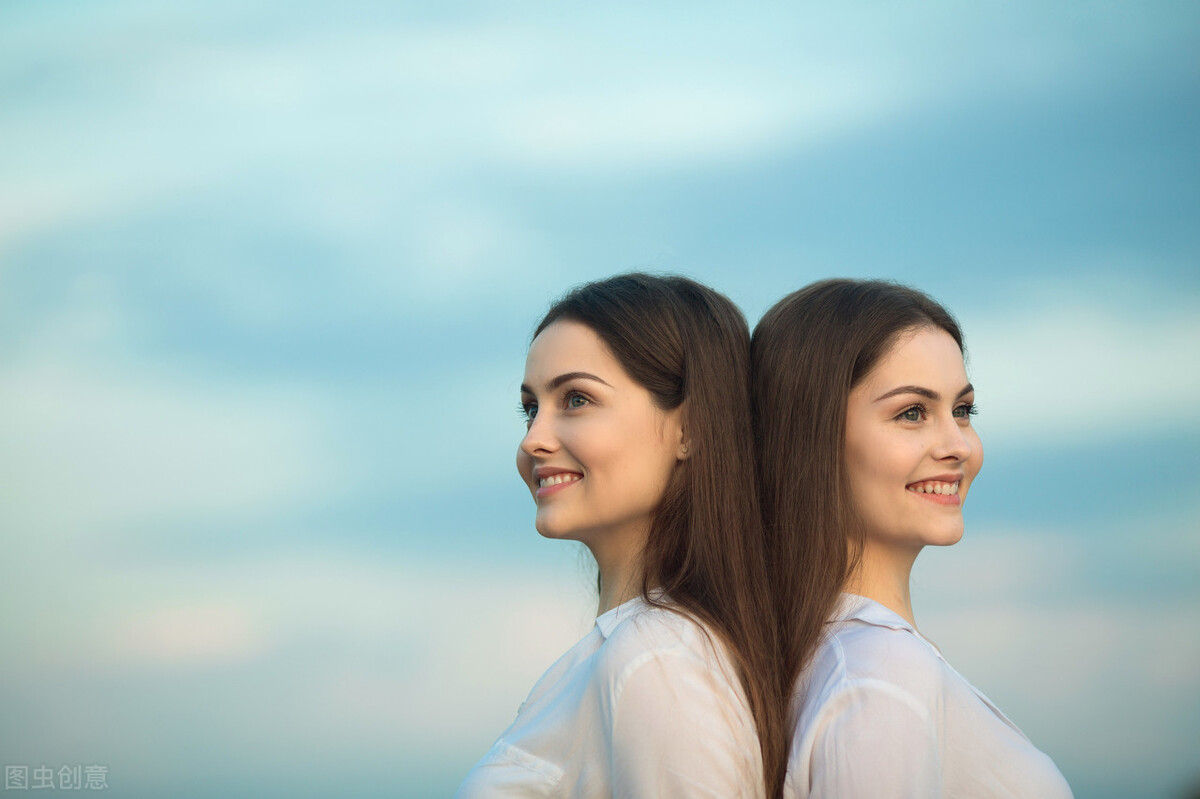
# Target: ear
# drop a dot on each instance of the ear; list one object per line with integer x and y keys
{"x": 683, "y": 449}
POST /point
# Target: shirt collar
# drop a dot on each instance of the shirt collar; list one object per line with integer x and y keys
{"x": 609, "y": 619}
{"x": 852, "y": 607}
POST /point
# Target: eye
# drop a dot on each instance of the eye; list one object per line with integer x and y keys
{"x": 527, "y": 411}
{"x": 914, "y": 414}
{"x": 965, "y": 411}
{"x": 575, "y": 400}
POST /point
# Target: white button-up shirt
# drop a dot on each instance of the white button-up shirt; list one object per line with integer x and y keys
{"x": 880, "y": 713}
{"x": 646, "y": 705}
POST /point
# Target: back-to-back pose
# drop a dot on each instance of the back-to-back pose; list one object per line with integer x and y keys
{"x": 863, "y": 420}
{"x": 636, "y": 399}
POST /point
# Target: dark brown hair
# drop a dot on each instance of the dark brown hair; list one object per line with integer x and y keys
{"x": 808, "y": 352}
{"x": 690, "y": 347}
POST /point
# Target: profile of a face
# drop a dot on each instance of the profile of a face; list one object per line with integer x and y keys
{"x": 598, "y": 452}
{"x": 911, "y": 451}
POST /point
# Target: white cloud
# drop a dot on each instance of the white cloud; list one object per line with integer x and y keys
{"x": 428, "y": 103}
{"x": 197, "y": 634}
{"x": 179, "y": 113}
{"x": 664, "y": 124}
{"x": 356, "y": 656}
{"x": 1082, "y": 370}
{"x": 87, "y": 450}
{"x": 96, "y": 441}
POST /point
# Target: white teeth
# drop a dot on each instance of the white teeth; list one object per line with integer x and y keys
{"x": 933, "y": 487}
{"x": 556, "y": 479}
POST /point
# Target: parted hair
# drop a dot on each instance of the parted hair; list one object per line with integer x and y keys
{"x": 808, "y": 352}
{"x": 689, "y": 346}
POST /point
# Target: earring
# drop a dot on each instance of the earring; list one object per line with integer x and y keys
{"x": 685, "y": 449}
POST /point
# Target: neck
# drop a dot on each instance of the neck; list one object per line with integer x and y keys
{"x": 620, "y": 575}
{"x": 616, "y": 590}
{"x": 883, "y": 575}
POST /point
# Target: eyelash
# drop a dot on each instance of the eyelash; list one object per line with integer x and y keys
{"x": 970, "y": 407}
{"x": 528, "y": 410}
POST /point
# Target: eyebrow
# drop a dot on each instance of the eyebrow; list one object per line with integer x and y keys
{"x": 921, "y": 391}
{"x": 563, "y": 378}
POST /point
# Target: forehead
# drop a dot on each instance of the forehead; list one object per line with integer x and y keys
{"x": 569, "y": 346}
{"x": 927, "y": 356}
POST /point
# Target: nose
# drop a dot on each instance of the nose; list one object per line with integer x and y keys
{"x": 539, "y": 438}
{"x": 953, "y": 442}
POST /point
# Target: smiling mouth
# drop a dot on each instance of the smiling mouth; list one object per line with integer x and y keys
{"x": 558, "y": 479}
{"x": 934, "y": 487}
{"x": 553, "y": 483}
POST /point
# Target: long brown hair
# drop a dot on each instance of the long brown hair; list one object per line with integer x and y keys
{"x": 690, "y": 346}
{"x": 808, "y": 352}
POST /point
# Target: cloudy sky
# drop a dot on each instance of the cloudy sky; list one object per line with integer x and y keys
{"x": 267, "y": 275}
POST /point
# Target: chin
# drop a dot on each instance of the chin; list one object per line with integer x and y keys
{"x": 950, "y": 538}
{"x": 548, "y": 529}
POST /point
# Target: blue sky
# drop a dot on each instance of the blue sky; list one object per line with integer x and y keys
{"x": 267, "y": 275}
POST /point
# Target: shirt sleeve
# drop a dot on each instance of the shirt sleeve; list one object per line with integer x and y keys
{"x": 875, "y": 739}
{"x": 679, "y": 729}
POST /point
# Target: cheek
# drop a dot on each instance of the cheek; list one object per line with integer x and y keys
{"x": 524, "y": 466}
{"x": 879, "y": 464}
{"x": 865, "y": 480}
{"x": 641, "y": 463}
{"x": 975, "y": 461}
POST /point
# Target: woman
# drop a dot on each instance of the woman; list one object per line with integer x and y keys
{"x": 863, "y": 420}
{"x": 638, "y": 444}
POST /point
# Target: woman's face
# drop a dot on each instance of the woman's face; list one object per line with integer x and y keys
{"x": 911, "y": 452}
{"x": 598, "y": 452}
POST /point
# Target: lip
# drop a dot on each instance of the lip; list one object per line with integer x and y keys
{"x": 542, "y": 472}
{"x": 949, "y": 477}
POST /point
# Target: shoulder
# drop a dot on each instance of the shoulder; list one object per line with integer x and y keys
{"x": 893, "y": 656}
{"x": 677, "y": 718}
{"x": 653, "y": 632}
{"x": 868, "y": 695}
{"x": 860, "y": 663}
{"x": 660, "y": 649}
